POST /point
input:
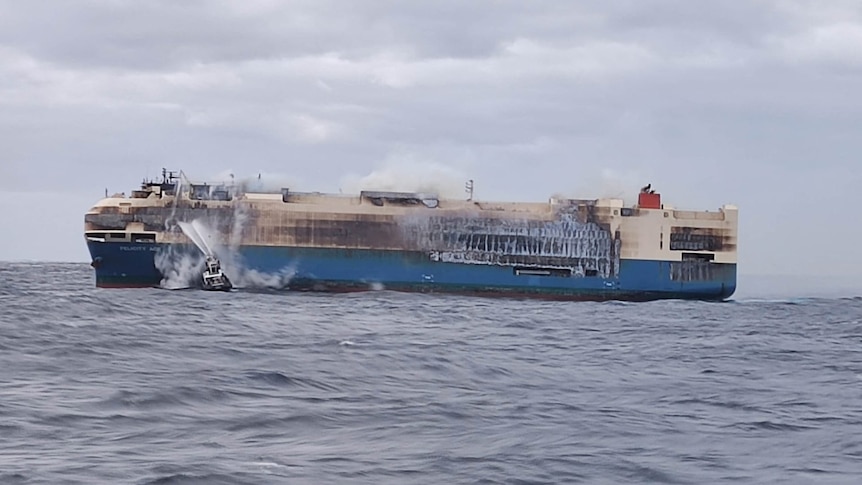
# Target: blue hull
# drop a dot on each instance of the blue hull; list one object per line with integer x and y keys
{"x": 133, "y": 265}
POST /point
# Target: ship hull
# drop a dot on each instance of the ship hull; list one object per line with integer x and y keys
{"x": 124, "y": 264}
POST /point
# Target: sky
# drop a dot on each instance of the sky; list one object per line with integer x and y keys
{"x": 755, "y": 103}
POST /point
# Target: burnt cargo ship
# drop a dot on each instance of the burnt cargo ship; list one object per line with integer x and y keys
{"x": 593, "y": 249}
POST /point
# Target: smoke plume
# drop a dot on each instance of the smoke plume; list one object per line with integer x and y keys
{"x": 410, "y": 175}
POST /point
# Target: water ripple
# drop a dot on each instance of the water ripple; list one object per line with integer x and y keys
{"x": 158, "y": 387}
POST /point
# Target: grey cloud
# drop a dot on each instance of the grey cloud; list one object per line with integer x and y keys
{"x": 165, "y": 34}
{"x": 714, "y": 102}
{"x": 168, "y": 34}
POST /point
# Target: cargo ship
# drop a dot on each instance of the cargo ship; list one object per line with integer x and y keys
{"x": 566, "y": 249}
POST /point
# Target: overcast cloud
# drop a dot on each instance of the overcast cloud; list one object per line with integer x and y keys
{"x": 755, "y": 103}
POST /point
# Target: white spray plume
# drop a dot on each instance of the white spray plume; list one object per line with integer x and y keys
{"x": 198, "y": 233}
{"x": 183, "y": 270}
{"x": 251, "y": 278}
{"x": 180, "y": 269}
{"x": 409, "y": 174}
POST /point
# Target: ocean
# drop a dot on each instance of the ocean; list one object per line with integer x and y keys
{"x": 184, "y": 387}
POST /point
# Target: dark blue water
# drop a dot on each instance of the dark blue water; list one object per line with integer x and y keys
{"x": 158, "y": 386}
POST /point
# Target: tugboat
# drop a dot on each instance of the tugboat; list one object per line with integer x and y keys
{"x": 213, "y": 278}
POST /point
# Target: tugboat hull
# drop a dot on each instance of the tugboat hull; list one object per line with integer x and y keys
{"x": 213, "y": 278}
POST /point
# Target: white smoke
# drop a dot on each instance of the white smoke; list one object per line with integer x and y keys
{"x": 409, "y": 174}
{"x": 261, "y": 182}
{"x": 608, "y": 184}
{"x": 240, "y": 218}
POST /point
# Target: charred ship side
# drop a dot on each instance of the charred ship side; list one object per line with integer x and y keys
{"x": 563, "y": 249}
